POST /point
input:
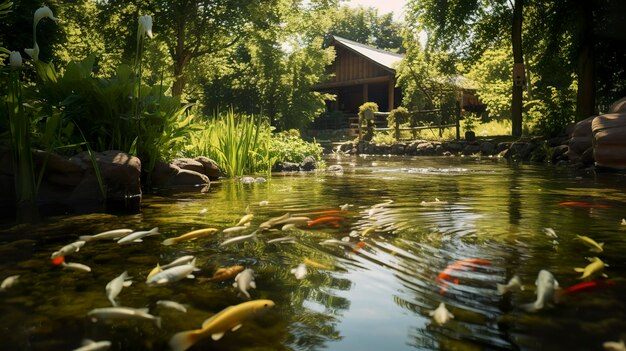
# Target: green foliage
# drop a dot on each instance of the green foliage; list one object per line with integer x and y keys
{"x": 289, "y": 146}
{"x": 398, "y": 115}
{"x": 365, "y": 25}
{"x": 470, "y": 121}
{"x": 368, "y": 106}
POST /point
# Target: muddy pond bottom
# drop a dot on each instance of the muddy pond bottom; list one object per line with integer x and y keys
{"x": 358, "y": 260}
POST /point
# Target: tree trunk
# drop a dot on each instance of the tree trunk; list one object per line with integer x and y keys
{"x": 586, "y": 96}
{"x": 180, "y": 57}
{"x": 518, "y": 58}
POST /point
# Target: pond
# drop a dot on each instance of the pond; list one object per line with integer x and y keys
{"x": 416, "y": 232}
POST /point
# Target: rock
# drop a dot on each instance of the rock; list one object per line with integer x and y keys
{"x": 618, "y": 106}
{"x": 346, "y": 147}
{"x": 308, "y": 164}
{"x": 587, "y": 157}
{"x": 471, "y": 149}
{"x": 247, "y": 180}
{"x": 425, "y": 148}
{"x": 211, "y": 169}
{"x": 170, "y": 176}
{"x": 186, "y": 178}
{"x": 558, "y": 153}
{"x": 188, "y": 164}
{"x": 487, "y": 148}
{"x": 286, "y": 167}
{"x": 609, "y": 139}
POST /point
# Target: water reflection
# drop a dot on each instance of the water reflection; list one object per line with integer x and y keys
{"x": 372, "y": 277}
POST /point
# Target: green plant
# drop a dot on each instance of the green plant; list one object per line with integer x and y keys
{"x": 398, "y": 115}
{"x": 288, "y": 146}
{"x": 470, "y": 122}
{"x": 368, "y": 106}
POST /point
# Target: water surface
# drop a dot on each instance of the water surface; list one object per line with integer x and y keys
{"x": 408, "y": 219}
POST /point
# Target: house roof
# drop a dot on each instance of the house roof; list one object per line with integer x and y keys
{"x": 388, "y": 60}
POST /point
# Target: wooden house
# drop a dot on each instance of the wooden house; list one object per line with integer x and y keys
{"x": 361, "y": 73}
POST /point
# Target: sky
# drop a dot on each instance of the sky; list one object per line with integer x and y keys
{"x": 383, "y": 6}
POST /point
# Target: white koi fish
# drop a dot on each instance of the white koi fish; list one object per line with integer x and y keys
{"x": 173, "y": 274}
{"x": 300, "y": 272}
{"x": 592, "y": 244}
{"x": 245, "y": 281}
{"x": 441, "y": 315}
{"x": 9, "y": 282}
{"x": 230, "y": 318}
{"x": 114, "y": 287}
{"x": 137, "y": 236}
{"x": 596, "y": 266}
{"x": 546, "y": 287}
{"x": 296, "y": 221}
{"x": 272, "y": 221}
{"x": 112, "y": 313}
{"x": 68, "y": 249}
{"x": 614, "y": 345}
{"x": 111, "y": 234}
{"x": 264, "y": 203}
{"x": 344, "y": 207}
{"x": 286, "y": 239}
{"x": 154, "y": 271}
{"x": 76, "y": 266}
{"x": 514, "y": 284}
{"x": 236, "y": 230}
{"x": 179, "y": 262}
{"x": 171, "y": 304}
{"x": 623, "y": 221}
{"x": 90, "y": 345}
{"x": 203, "y": 212}
{"x": 550, "y": 232}
{"x": 238, "y": 239}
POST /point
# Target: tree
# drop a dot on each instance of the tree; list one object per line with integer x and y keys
{"x": 366, "y": 26}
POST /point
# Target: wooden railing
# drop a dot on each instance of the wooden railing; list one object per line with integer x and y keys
{"x": 420, "y": 120}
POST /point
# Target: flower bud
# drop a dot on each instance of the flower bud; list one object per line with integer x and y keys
{"x": 145, "y": 26}
{"x": 33, "y": 53}
{"x": 42, "y": 12}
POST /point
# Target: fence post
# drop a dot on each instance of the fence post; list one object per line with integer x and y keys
{"x": 458, "y": 121}
{"x": 397, "y": 130}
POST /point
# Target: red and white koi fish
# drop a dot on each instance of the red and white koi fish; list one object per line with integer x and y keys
{"x": 331, "y": 220}
{"x": 468, "y": 264}
{"x": 585, "y": 286}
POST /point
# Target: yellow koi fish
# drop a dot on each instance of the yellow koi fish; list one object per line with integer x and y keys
{"x": 222, "y": 274}
{"x": 593, "y": 245}
{"x": 245, "y": 219}
{"x": 596, "y": 266}
{"x": 230, "y": 318}
{"x": 314, "y": 264}
{"x": 154, "y": 271}
{"x": 193, "y": 235}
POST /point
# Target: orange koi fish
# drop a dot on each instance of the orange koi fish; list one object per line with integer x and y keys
{"x": 223, "y": 273}
{"x": 332, "y": 220}
{"x": 584, "y": 286}
{"x": 582, "y": 204}
{"x": 58, "y": 260}
{"x": 458, "y": 266}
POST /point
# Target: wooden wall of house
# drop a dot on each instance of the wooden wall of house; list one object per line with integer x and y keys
{"x": 349, "y": 66}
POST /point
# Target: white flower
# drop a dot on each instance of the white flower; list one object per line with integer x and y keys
{"x": 15, "y": 59}
{"x": 34, "y": 52}
{"x": 145, "y": 26}
{"x": 42, "y": 12}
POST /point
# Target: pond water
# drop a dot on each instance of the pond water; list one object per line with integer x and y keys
{"x": 372, "y": 288}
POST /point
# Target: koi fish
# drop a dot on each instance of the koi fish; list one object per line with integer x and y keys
{"x": 592, "y": 244}
{"x": 272, "y": 221}
{"x": 76, "y": 266}
{"x": 173, "y": 274}
{"x": 295, "y": 220}
{"x": 514, "y": 284}
{"x": 614, "y": 345}
{"x": 68, "y": 249}
{"x": 58, "y": 260}
{"x": 111, "y": 234}
{"x": 179, "y": 261}
{"x": 114, "y": 287}
{"x": 582, "y": 204}
{"x": 300, "y": 272}
{"x": 172, "y": 304}
{"x": 546, "y": 287}
{"x": 154, "y": 271}
{"x": 203, "y": 212}
{"x": 90, "y": 345}
{"x": 457, "y": 266}
{"x": 9, "y": 282}
{"x": 112, "y": 313}
{"x": 312, "y": 263}
{"x": 230, "y": 318}
{"x": 193, "y": 235}
{"x": 245, "y": 281}
{"x": 239, "y": 239}
{"x": 550, "y": 232}
{"x": 236, "y": 230}
{"x": 344, "y": 207}
{"x": 137, "y": 236}
{"x": 583, "y": 286}
{"x": 623, "y": 221}
{"x": 441, "y": 315}
{"x": 332, "y": 220}
{"x": 286, "y": 239}
{"x": 245, "y": 219}
{"x": 596, "y": 266}
{"x": 223, "y": 274}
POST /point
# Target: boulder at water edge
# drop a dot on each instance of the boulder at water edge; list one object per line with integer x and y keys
{"x": 609, "y": 140}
